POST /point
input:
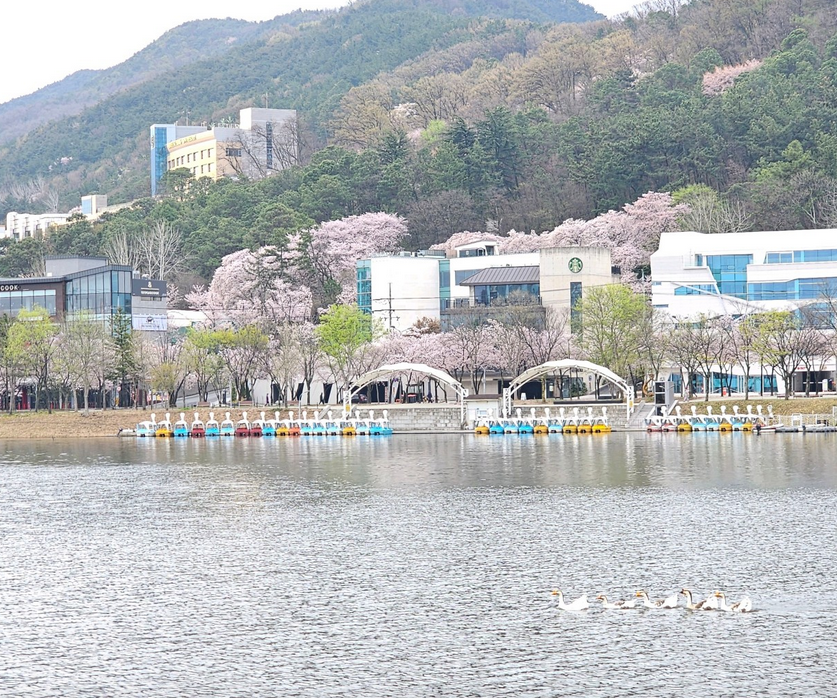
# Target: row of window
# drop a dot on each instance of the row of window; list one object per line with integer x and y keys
{"x": 728, "y": 262}
{"x": 102, "y": 282}
{"x": 695, "y": 290}
{"x": 801, "y": 256}
{"x": 205, "y": 154}
{"x": 487, "y": 295}
{"x": 12, "y": 302}
{"x": 364, "y": 286}
{"x": 797, "y": 289}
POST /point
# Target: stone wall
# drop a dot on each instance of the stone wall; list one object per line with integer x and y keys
{"x": 427, "y": 418}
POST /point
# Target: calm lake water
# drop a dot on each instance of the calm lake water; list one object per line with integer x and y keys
{"x": 416, "y": 566}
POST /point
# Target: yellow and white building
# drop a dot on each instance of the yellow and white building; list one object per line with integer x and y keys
{"x": 263, "y": 142}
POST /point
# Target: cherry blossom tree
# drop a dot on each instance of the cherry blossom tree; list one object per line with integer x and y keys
{"x": 723, "y": 77}
{"x": 325, "y": 257}
{"x": 253, "y": 287}
{"x": 631, "y": 234}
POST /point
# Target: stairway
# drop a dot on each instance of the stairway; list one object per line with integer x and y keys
{"x": 641, "y": 413}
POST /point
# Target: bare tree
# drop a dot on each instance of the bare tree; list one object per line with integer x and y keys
{"x": 160, "y": 251}
{"x": 264, "y": 149}
{"x": 121, "y": 248}
{"x": 708, "y": 213}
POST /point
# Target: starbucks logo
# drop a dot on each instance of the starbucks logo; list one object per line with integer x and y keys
{"x": 575, "y": 265}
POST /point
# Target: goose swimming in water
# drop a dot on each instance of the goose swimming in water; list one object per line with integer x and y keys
{"x": 708, "y": 604}
{"x": 668, "y": 602}
{"x": 580, "y": 604}
{"x": 743, "y": 606}
{"x": 621, "y": 604}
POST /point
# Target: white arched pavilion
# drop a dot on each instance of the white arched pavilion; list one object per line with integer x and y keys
{"x": 389, "y": 370}
{"x": 563, "y": 366}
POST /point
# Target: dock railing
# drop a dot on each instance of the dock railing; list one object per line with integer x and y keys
{"x": 799, "y": 419}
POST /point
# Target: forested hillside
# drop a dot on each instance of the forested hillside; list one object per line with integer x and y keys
{"x": 181, "y": 46}
{"x": 308, "y": 66}
{"x": 502, "y": 124}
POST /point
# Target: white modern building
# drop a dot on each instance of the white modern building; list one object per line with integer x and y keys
{"x": 734, "y": 273}
{"x": 32, "y": 225}
{"x": 37, "y": 225}
{"x": 399, "y": 290}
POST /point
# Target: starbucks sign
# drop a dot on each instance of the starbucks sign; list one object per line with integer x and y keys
{"x": 575, "y": 265}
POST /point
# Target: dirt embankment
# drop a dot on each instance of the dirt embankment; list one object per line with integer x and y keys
{"x": 68, "y": 425}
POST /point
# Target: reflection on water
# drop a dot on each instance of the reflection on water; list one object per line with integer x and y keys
{"x": 415, "y": 565}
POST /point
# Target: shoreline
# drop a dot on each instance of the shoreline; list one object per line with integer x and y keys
{"x": 108, "y": 423}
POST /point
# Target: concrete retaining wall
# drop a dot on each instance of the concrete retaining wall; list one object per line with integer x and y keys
{"x": 423, "y": 418}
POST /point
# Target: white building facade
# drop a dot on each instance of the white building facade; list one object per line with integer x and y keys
{"x": 398, "y": 290}
{"x": 734, "y": 273}
{"x": 710, "y": 275}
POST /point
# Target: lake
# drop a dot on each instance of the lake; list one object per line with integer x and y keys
{"x": 416, "y": 565}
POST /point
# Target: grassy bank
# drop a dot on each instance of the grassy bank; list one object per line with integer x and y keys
{"x": 809, "y": 405}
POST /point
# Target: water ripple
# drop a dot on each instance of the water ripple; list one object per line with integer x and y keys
{"x": 415, "y": 566}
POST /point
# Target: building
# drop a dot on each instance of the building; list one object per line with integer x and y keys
{"x": 734, "y": 273}
{"x": 262, "y": 142}
{"x": 401, "y": 289}
{"x": 88, "y": 284}
{"x": 28, "y": 225}
{"x": 32, "y": 225}
{"x": 161, "y": 136}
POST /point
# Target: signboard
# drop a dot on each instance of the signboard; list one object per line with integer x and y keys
{"x": 148, "y": 288}
{"x": 150, "y": 323}
{"x": 9, "y": 287}
{"x": 575, "y": 265}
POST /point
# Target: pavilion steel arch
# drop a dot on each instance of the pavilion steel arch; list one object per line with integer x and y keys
{"x": 388, "y": 370}
{"x": 562, "y": 366}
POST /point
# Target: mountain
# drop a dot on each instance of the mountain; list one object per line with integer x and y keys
{"x": 302, "y": 61}
{"x": 181, "y": 46}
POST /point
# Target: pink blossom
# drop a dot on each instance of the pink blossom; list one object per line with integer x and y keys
{"x": 723, "y": 77}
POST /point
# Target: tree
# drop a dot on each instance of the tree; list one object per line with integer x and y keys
{"x": 326, "y": 256}
{"x": 343, "y": 334}
{"x": 126, "y": 365}
{"x": 781, "y": 331}
{"x": 159, "y": 251}
{"x": 613, "y": 319}
{"x": 243, "y": 352}
{"x": 32, "y": 342}
{"x": 201, "y": 359}
{"x": 22, "y": 259}
{"x": 88, "y": 352}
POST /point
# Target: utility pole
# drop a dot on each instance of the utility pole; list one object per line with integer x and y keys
{"x": 390, "y": 306}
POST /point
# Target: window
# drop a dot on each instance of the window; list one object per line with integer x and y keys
{"x": 233, "y": 152}
{"x": 695, "y": 289}
{"x": 364, "y": 286}
{"x": 460, "y": 276}
{"x": 730, "y": 272}
{"x": 575, "y": 306}
{"x": 779, "y": 257}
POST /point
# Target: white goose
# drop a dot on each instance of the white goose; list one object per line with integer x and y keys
{"x": 622, "y": 604}
{"x": 668, "y": 602}
{"x": 704, "y": 605}
{"x": 743, "y": 606}
{"x": 580, "y": 604}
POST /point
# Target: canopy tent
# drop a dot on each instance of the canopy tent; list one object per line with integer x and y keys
{"x": 562, "y": 366}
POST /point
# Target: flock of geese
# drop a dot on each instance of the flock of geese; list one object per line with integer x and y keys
{"x": 716, "y": 601}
